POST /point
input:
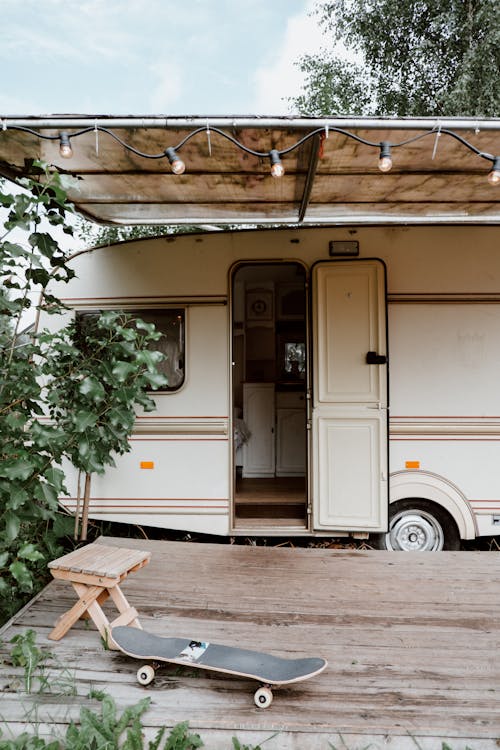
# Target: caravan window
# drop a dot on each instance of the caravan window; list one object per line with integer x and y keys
{"x": 171, "y": 324}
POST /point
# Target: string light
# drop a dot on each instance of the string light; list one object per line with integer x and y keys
{"x": 275, "y": 155}
{"x": 385, "y": 159}
{"x": 277, "y": 168}
{"x": 176, "y": 165}
{"x": 494, "y": 174}
{"x": 65, "y": 146}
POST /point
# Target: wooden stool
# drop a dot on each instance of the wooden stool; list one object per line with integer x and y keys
{"x": 95, "y": 572}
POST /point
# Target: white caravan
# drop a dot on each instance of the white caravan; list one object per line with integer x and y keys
{"x": 322, "y": 382}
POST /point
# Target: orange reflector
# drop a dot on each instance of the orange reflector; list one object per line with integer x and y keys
{"x": 147, "y": 464}
{"x": 412, "y": 464}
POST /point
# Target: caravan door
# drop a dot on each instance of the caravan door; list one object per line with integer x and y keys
{"x": 349, "y": 414}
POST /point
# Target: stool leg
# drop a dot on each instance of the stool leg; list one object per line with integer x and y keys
{"x": 88, "y": 595}
{"x": 100, "y": 600}
{"x": 98, "y": 617}
{"x": 122, "y": 605}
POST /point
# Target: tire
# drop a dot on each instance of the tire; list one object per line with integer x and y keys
{"x": 417, "y": 525}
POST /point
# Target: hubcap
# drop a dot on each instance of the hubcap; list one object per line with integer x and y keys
{"x": 415, "y": 531}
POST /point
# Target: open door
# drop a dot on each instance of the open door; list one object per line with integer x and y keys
{"x": 349, "y": 416}
{"x": 269, "y": 387}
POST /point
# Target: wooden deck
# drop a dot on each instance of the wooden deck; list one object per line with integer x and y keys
{"x": 412, "y": 640}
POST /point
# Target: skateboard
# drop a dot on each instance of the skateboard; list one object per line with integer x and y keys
{"x": 267, "y": 669}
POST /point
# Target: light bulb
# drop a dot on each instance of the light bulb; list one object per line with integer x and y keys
{"x": 65, "y": 149}
{"x": 385, "y": 160}
{"x": 494, "y": 174}
{"x": 277, "y": 168}
{"x": 176, "y": 165}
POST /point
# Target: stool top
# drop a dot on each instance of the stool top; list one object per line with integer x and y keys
{"x": 100, "y": 560}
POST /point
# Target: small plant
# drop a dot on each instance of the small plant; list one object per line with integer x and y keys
{"x": 106, "y": 729}
{"x": 238, "y": 746}
{"x": 27, "y": 655}
{"x": 27, "y": 741}
{"x": 178, "y": 739}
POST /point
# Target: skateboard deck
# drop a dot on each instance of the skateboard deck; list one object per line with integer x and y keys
{"x": 267, "y": 669}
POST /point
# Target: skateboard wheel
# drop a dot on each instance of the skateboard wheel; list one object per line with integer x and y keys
{"x": 263, "y": 697}
{"x": 145, "y": 674}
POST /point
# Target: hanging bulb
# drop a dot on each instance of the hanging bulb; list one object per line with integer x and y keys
{"x": 176, "y": 165}
{"x": 277, "y": 168}
{"x": 494, "y": 174}
{"x": 385, "y": 160}
{"x": 65, "y": 146}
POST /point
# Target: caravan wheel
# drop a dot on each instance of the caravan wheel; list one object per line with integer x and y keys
{"x": 418, "y": 526}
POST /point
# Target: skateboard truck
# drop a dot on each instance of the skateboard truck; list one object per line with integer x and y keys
{"x": 263, "y": 696}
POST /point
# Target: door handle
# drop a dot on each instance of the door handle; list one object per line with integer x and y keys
{"x": 372, "y": 358}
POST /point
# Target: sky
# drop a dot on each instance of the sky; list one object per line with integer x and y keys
{"x": 175, "y": 57}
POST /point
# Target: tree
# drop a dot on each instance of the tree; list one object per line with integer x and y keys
{"x": 99, "y": 235}
{"x": 103, "y": 368}
{"x": 96, "y": 235}
{"x": 86, "y": 381}
{"x": 406, "y": 58}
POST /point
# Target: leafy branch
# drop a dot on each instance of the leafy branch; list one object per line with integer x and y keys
{"x": 66, "y": 391}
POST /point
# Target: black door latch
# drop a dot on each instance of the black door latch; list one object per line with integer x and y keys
{"x": 372, "y": 358}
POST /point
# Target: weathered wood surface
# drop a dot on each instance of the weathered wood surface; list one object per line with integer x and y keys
{"x": 412, "y": 642}
{"x": 100, "y": 561}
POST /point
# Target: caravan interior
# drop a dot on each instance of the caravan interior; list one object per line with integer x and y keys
{"x": 269, "y": 386}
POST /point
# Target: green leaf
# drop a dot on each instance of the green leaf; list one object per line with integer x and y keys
{"x": 46, "y": 494}
{"x": 20, "y": 468}
{"x": 38, "y": 276}
{"x": 83, "y": 420}
{"x": 14, "y": 250}
{"x": 4, "y": 556}
{"x": 44, "y": 243}
{"x": 12, "y": 524}
{"x": 123, "y": 370}
{"x": 156, "y": 379}
{"x": 28, "y": 551}
{"x": 121, "y": 417}
{"x": 17, "y": 497}
{"x": 63, "y": 525}
{"x": 16, "y": 420}
{"x": 143, "y": 326}
{"x": 6, "y": 199}
{"x": 150, "y": 359}
{"x": 180, "y": 738}
{"x": 22, "y": 575}
{"x": 91, "y": 387}
{"x": 55, "y": 477}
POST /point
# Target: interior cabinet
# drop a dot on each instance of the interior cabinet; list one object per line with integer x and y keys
{"x": 277, "y": 423}
{"x": 290, "y": 434}
{"x": 258, "y": 415}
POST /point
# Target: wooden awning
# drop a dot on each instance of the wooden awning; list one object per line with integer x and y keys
{"x": 332, "y": 177}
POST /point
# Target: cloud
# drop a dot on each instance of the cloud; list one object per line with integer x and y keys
{"x": 279, "y": 77}
{"x": 168, "y": 87}
{"x": 66, "y": 32}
